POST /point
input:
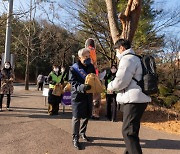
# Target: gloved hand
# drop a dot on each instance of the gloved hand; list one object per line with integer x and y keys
{"x": 87, "y": 87}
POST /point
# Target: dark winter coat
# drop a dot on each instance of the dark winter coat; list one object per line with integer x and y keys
{"x": 109, "y": 77}
{"x": 80, "y": 100}
{"x": 7, "y": 77}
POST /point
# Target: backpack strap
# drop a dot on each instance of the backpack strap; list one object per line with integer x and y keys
{"x": 80, "y": 71}
{"x": 133, "y": 54}
{"x": 140, "y": 60}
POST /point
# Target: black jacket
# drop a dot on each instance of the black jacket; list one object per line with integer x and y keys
{"x": 80, "y": 100}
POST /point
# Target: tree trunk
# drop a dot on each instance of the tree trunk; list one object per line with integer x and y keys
{"x": 27, "y": 71}
{"x": 112, "y": 18}
{"x": 28, "y": 50}
{"x": 129, "y": 19}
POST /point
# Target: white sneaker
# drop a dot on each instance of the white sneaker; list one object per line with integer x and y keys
{"x": 8, "y": 109}
{"x": 0, "y": 109}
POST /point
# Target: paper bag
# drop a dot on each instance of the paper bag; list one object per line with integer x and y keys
{"x": 67, "y": 88}
{"x": 57, "y": 91}
{"x": 94, "y": 82}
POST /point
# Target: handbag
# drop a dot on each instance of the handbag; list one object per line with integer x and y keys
{"x": 58, "y": 90}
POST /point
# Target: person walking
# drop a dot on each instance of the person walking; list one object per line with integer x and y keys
{"x": 7, "y": 77}
{"x": 54, "y": 78}
{"x": 111, "y": 106}
{"x": 129, "y": 94}
{"x": 40, "y": 81}
{"x": 80, "y": 100}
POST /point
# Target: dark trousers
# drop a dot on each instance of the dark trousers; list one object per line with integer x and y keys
{"x": 79, "y": 127}
{"x": 8, "y": 100}
{"x": 40, "y": 85}
{"x": 53, "y": 109}
{"x": 111, "y": 107}
{"x": 53, "y": 103}
{"x": 132, "y": 114}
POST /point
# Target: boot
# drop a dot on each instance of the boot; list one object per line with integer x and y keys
{"x": 76, "y": 143}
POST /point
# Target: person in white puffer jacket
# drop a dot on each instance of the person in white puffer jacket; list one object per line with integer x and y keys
{"x": 130, "y": 95}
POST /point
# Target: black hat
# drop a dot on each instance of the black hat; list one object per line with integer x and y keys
{"x": 122, "y": 42}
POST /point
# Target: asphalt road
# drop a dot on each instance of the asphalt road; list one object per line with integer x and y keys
{"x": 29, "y": 130}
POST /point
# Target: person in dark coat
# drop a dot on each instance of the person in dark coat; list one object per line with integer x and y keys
{"x": 80, "y": 100}
{"x": 111, "y": 107}
{"x": 6, "y": 87}
{"x": 55, "y": 77}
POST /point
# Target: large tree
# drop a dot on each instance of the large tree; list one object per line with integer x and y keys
{"x": 129, "y": 19}
{"x": 93, "y": 22}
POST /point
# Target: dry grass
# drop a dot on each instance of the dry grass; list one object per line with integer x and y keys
{"x": 155, "y": 117}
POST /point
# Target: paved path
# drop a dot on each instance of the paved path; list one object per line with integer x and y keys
{"x": 29, "y": 130}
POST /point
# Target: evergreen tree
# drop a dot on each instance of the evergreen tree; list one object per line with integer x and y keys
{"x": 94, "y": 23}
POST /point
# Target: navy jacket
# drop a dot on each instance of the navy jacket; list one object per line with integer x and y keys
{"x": 80, "y": 100}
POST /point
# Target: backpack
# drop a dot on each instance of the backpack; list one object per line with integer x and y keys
{"x": 149, "y": 81}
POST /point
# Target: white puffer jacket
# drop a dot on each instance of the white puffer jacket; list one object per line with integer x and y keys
{"x": 127, "y": 88}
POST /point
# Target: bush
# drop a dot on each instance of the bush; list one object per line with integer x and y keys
{"x": 164, "y": 91}
{"x": 170, "y": 87}
{"x": 170, "y": 100}
{"x": 177, "y": 106}
{"x": 157, "y": 100}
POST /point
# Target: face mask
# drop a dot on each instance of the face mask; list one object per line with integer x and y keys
{"x": 56, "y": 69}
{"x": 87, "y": 61}
{"x": 118, "y": 55}
{"x": 113, "y": 70}
{"x": 7, "y": 66}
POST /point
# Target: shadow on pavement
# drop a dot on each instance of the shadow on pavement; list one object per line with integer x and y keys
{"x": 161, "y": 144}
{"x": 152, "y": 144}
{"x": 27, "y": 108}
{"x": 45, "y": 116}
{"x": 35, "y": 113}
{"x": 26, "y": 95}
{"x": 67, "y": 115}
{"x": 106, "y": 138}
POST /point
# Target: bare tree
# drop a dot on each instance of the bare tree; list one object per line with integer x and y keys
{"x": 169, "y": 62}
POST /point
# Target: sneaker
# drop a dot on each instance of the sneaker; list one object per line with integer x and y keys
{"x": 0, "y": 109}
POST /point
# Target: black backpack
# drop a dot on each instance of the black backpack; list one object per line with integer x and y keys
{"x": 149, "y": 81}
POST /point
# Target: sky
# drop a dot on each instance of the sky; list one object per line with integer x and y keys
{"x": 67, "y": 21}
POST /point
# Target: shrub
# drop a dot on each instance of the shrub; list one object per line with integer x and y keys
{"x": 170, "y": 100}
{"x": 177, "y": 106}
{"x": 170, "y": 87}
{"x": 164, "y": 91}
{"x": 157, "y": 100}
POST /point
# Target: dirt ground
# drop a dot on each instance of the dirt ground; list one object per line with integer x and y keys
{"x": 161, "y": 119}
{"x": 155, "y": 117}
